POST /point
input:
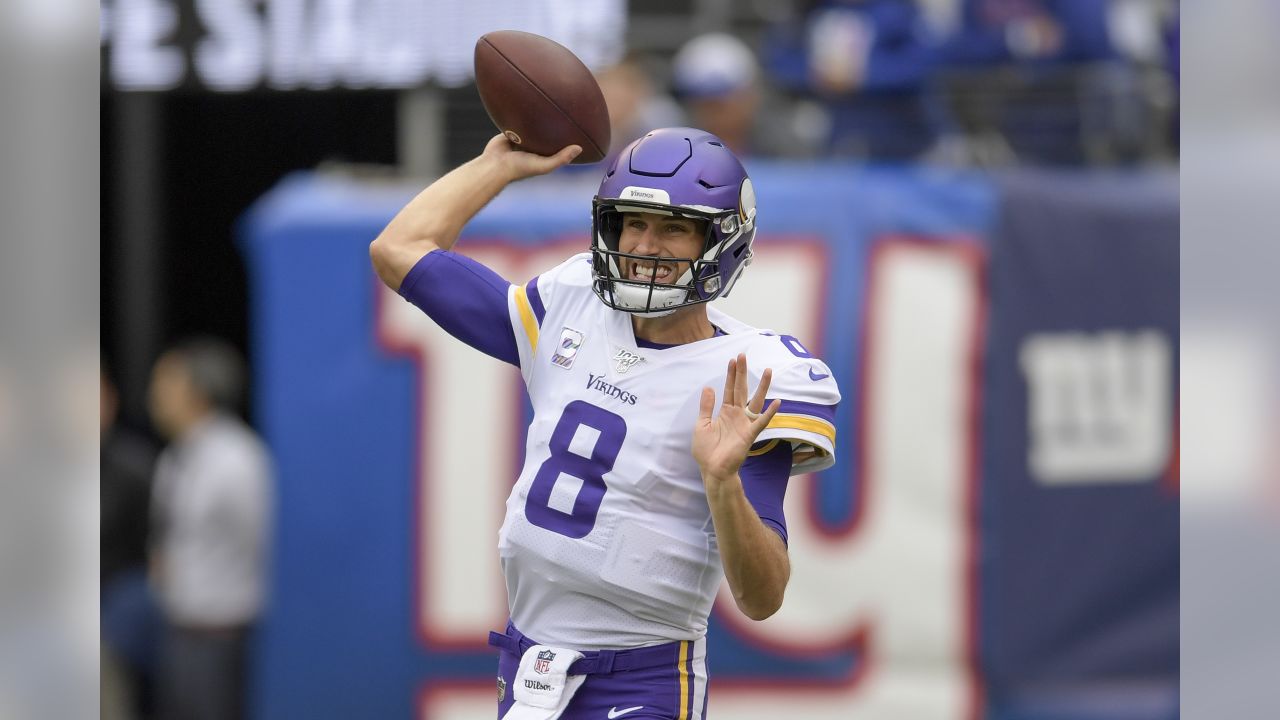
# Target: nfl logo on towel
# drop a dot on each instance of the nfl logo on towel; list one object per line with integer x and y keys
{"x": 543, "y": 663}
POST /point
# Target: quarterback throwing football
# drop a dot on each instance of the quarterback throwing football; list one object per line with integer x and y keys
{"x": 642, "y": 486}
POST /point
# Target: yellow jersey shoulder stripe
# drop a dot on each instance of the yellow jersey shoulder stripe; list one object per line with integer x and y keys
{"x": 526, "y": 316}
{"x": 803, "y": 422}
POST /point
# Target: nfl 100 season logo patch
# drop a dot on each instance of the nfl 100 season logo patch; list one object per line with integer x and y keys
{"x": 542, "y": 665}
{"x": 502, "y": 689}
{"x": 567, "y": 348}
{"x": 626, "y": 360}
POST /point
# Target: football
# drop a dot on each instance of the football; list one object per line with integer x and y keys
{"x": 540, "y": 95}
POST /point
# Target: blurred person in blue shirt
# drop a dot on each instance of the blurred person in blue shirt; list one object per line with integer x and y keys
{"x": 1048, "y": 31}
{"x": 1078, "y": 91}
{"x": 869, "y": 61}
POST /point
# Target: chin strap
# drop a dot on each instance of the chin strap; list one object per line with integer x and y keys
{"x": 652, "y": 314}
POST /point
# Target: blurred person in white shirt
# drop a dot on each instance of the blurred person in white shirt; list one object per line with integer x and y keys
{"x": 210, "y": 516}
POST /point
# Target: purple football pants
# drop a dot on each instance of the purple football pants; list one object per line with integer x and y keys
{"x": 662, "y": 682}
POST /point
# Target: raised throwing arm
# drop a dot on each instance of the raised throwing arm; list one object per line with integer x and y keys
{"x": 434, "y": 219}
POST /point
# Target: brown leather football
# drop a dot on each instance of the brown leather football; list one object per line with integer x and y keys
{"x": 540, "y": 95}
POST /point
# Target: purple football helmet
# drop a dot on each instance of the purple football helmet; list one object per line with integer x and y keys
{"x": 687, "y": 173}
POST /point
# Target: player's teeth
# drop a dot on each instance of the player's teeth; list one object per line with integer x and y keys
{"x": 648, "y": 272}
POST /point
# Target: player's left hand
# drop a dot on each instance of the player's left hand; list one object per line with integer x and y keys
{"x": 720, "y": 443}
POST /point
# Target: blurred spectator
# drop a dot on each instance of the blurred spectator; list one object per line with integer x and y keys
{"x": 1062, "y": 80}
{"x": 718, "y": 78}
{"x": 984, "y": 81}
{"x": 128, "y": 614}
{"x": 1003, "y": 31}
{"x": 210, "y": 509}
{"x": 636, "y": 104}
{"x": 869, "y": 61}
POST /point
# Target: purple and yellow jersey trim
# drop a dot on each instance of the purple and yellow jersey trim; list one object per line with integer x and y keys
{"x": 527, "y": 319}
{"x": 809, "y": 417}
{"x": 693, "y": 680}
{"x": 811, "y": 424}
{"x": 527, "y": 314}
{"x": 685, "y": 695}
{"x": 808, "y": 424}
{"x": 535, "y": 300}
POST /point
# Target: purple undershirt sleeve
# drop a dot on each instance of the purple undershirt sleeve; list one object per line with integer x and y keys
{"x": 465, "y": 298}
{"x": 764, "y": 480}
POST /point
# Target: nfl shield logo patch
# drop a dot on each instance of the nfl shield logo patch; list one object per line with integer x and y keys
{"x": 542, "y": 665}
{"x": 502, "y": 689}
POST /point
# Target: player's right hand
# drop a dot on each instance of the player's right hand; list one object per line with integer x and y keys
{"x": 520, "y": 164}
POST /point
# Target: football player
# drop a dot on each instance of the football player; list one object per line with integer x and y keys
{"x": 642, "y": 486}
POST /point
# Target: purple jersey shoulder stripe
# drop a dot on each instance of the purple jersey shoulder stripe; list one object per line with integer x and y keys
{"x": 535, "y": 300}
{"x": 764, "y": 482}
{"x": 796, "y": 407}
{"x": 466, "y": 299}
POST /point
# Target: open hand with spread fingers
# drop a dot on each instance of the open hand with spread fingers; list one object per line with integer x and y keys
{"x": 720, "y": 443}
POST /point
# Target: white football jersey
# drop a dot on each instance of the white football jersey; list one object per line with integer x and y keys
{"x": 608, "y": 540}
